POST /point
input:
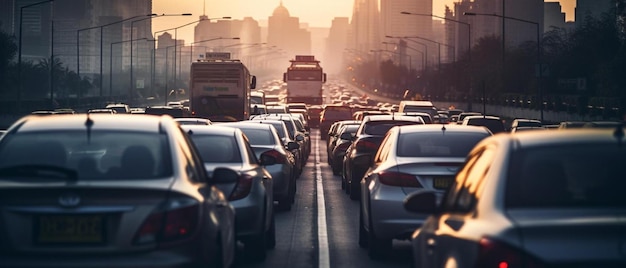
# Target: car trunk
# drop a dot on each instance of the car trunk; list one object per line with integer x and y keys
{"x": 435, "y": 173}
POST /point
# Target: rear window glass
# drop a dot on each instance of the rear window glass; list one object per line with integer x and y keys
{"x": 99, "y": 155}
{"x": 437, "y": 144}
{"x": 217, "y": 149}
{"x": 379, "y": 128}
{"x": 494, "y": 125}
{"x": 584, "y": 175}
{"x": 259, "y": 136}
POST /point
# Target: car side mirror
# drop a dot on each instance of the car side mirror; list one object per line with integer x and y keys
{"x": 292, "y": 146}
{"x": 267, "y": 159}
{"x": 224, "y": 175}
{"x": 299, "y": 137}
{"x": 421, "y": 202}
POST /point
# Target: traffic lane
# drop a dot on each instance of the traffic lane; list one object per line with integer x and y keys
{"x": 342, "y": 216}
{"x": 296, "y": 230}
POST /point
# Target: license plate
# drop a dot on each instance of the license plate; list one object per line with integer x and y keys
{"x": 70, "y": 229}
{"x": 442, "y": 182}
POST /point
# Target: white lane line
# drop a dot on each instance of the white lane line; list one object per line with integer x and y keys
{"x": 322, "y": 231}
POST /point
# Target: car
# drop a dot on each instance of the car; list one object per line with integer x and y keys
{"x": 193, "y": 121}
{"x": 120, "y": 108}
{"x": 333, "y": 135}
{"x": 101, "y": 111}
{"x": 331, "y": 114}
{"x": 256, "y": 109}
{"x": 411, "y": 158}
{"x": 529, "y": 199}
{"x": 465, "y": 114}
{"x": 314, "y": 112}
{"x": 340, "y": 145}
{"x": 250, "y": 190}
{"x": 423, "y": 106}
{"x": 134, "y": 184}
{"x": 173, "y": 111}
{"x": 368, "y": 137}
{"x": 264, "y": 139}
{"x": 283, "y": 134}
{"x": 295, "y": 133}
{"x": 493, "y": 123}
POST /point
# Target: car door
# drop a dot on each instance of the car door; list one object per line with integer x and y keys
{"x": 441, "y": 238}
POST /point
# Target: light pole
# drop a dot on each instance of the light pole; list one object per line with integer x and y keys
{"x": 425, "y": 53}
{"x": 393, "y": 52}
{"x": 111, "y": 62}
{"x": 101, "y": 27}
{"x": 19, "y": 54}
{"x": 132, "y": 84}
{"x": 539, "y": 64}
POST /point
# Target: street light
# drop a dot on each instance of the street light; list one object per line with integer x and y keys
{"x": 390, "y": 51}
{"x": 132, "y": 84}
{"x": 539, "y": 67}
{"x": 111, "y": 62}
{"x": 425, "y": 58}
{"x": 101, "y": 27}
{"x": 19, "y": 54}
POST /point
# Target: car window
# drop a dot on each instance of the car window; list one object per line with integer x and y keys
{"x": 217, "y": 148}
{"x": 585, "y": 175}
{"x": 437, "y": 144}
{"x": 251, "y": 155}
{"x": 472, "y": 186}
{"x": 259, "y": 136}
{"x": 450, "y": 198}
{"x": 385, "y": 147}
{"x": 99, "y": 155}
{"x": 379, "y": 128}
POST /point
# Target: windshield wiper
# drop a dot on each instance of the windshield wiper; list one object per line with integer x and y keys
{"x": 39, "y": 171}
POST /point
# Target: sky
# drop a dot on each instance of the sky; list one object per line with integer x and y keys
{"x": 317, "y": 13}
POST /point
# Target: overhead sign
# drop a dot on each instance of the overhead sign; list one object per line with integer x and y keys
{"x": 217, "y": 56}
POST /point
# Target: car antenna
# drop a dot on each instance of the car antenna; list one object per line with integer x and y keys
{"x": 88, "y": 124}
{"x": 619, "y": 134}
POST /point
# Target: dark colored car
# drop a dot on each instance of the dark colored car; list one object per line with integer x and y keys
{"x": 332, "y": 114}
{"x": 369, "y": 136}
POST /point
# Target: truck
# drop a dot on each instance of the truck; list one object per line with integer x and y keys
{"x": 220, "y": 88}
{"x": 304, "y": 79}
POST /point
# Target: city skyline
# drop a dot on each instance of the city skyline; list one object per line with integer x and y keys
{"x": 319, "y": 13}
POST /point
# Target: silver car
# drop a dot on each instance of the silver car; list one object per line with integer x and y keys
{"x": 109, "y": 190}
{"x": 530, "y": 199}
{"x": 250, "y": 190}
{"x": 411, "y": 158}
{"x": 264, "y": 139}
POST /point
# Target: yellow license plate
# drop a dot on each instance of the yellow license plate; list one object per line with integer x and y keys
{"x": 83, "y": 229}
{"x": 442, "y": 182}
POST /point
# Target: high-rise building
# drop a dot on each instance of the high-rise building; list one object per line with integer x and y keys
{"x": 395, "y": 24}
{"x": 365, "y": 26}
{"x": 591, "y": 8}
{"x": 285, "y": 32}
{"x": 336, "y": 43}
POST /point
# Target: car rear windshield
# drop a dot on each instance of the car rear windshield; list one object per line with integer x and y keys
{"x": 584, "y": 175}
{"x": 94, "y": 155}
{"x": 379, "y": 128}
{"x": 338, "y": 113}
{"x": 217, "y": 148}
{"x": 437, "y": 144}
{"x": 259, "y": 136}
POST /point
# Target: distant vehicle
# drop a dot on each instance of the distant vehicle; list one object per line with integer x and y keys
{"x": 120, "y": 108}
{"x": 257, "y": 97}
{"x": 220, "y": 89}
{"x": 493, "y": 123}
{"x": 417, "y": 106}
{"x": 524, "y": 123}
{"x": 101, "y": 111}
{"x": 571, "y": 124}
{"x": 169, "y": 110}
{"x": 304, "y": 79}
{"x": 193, "y": 121}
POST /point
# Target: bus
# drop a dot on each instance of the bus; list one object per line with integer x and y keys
{"x": 220, "y": 88}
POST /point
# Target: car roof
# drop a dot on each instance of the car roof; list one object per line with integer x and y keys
{"x": 439, "y": 127}
{"x": 389, "y": 117}
{"x": 212, "y": 129}
{"x": 135, "y": 122}
{"x": 573, "y": 137}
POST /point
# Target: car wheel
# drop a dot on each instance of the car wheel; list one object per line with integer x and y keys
{"x": 255, "y": 246}
{"x": 355, "y": 192}
{"x": 378, "y": 248}
{"x": 271, "y": 235}
{"x": 362, "y": 232}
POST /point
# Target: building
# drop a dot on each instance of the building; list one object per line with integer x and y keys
{"x": 336, "y": 43}
{"x": 393, "y": 23}
{"x": 285, "y": 33}
{"x": 365, "y": 32}
{"x": 553, "y": 17}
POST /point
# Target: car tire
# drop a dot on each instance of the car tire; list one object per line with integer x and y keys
{"x": 363, "y": 239}
{"x": 271, "y": 234}
{"x": 256, "y": 246}
{"x": 377, "y": 248}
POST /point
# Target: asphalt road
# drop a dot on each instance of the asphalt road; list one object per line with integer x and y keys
{"x": 321, "y": 230}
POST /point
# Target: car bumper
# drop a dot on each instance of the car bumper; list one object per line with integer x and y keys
{"x": 389, "y": 219}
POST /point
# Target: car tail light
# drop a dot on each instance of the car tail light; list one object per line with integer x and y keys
{"x": 244, "y": 185}
{"x": 496, "y": 254}
{"x": 366, "y": 146}
{"x": 169, "y": 224}
{"x": 398, "y": 179}
{"x": 280, "y": 158}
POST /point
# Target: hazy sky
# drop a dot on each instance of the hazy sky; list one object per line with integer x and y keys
{"x": 317, "y": 13}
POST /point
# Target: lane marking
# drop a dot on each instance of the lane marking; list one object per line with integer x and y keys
{"x": 322, "y": 230}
